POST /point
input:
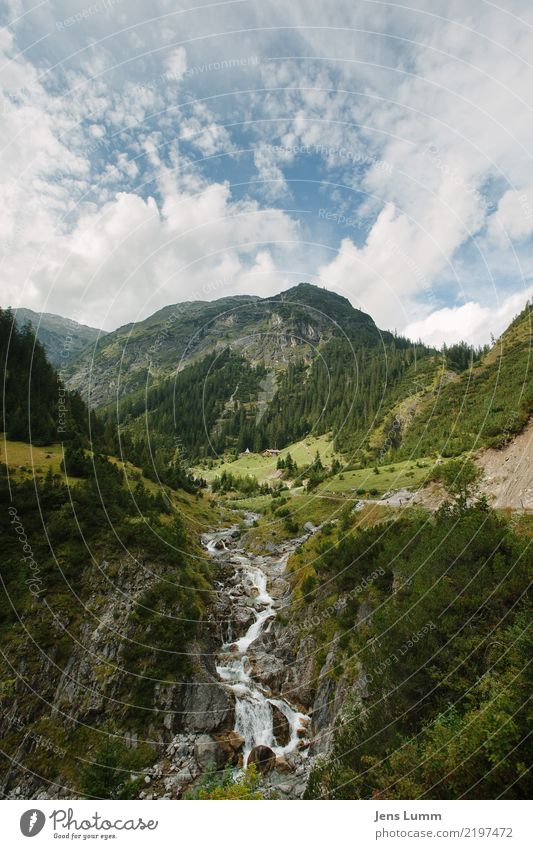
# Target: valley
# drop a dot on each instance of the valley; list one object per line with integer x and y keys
{"x": 280, "y": 553}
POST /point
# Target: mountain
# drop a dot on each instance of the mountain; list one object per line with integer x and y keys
{"x": 253, "y": 373}
{"x": 62, "y": 338}
{"x": 246, "y": 372}
{"x": 273, "y": 331}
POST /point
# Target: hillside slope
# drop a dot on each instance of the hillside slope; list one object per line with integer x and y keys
{"x": 105, "y": 593}
{"x": 63, "y": 339}
{"x": 486, "y": 405}
{"x": 508, "y": 472}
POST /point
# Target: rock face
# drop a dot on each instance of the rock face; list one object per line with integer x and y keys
{"x": 264, "y": 759}
{"x": 508, "y": 481}
{"x": 282, "y": 731}
{"x": 269, "y": 670}
{"x": 209, "y": 752}
{"x": 242, "y": 618}
{"x": 206, "y": 705}
{"x": 91, "y": 685}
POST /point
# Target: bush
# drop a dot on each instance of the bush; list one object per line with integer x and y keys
{"x": 215, "y": 784}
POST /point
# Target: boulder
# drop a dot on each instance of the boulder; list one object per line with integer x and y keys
{"x": 209, "y": 752}
{"x": 263, "y": 757}
{"x": 207, "y": 706}
{"x": 268, "y": 669}
{"x": 232, "y": 743}
{"x": 281, "y": 727}
{"x": 279, "y": 587}
{"x": 243, "y": 617}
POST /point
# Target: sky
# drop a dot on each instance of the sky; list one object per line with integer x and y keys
{"x": 158, "y": 152}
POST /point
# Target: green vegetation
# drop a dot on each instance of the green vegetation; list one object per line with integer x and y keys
{"x": 364, "y": 482}
{"x": 108, "y": 774}
{"x": 228, "y": 482}
{"x": 94, "y": 535}
{"x": 478, "y": 749}
{"x": 488, "y": 404}
{"x": 444, "y": 658}
{"x": 461, "y": 478}
{"x": 266, "y": 468}
{"x": 205, "y": 404}
{"x": 216, "y": 784}
{"x": 52, "y": 412}
{"x": 74, "y": 525}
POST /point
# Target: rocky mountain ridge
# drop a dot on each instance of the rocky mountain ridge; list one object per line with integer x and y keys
{"x": 271, "y": 330}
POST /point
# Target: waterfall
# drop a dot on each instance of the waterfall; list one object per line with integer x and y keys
{"x": 254, "y": 718}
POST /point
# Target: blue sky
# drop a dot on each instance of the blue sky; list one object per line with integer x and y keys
{"x": 154, "y": 153}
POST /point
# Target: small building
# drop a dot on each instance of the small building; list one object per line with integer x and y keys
{"x": 271, "y": 452}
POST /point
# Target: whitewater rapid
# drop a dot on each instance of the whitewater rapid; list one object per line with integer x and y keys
{"x": 254, "y": 702}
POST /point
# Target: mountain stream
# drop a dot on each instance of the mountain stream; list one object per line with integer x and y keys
{"x": 255, "y": 702}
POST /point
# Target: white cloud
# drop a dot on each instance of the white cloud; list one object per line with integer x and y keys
{"x": 81, "y": 238}
{"x": 397, "y": 262}
{"x": 436, "y": 134}
{"x": 513, "y": 219}
{"x": 421, "y": 118}
{"x": 470, "y": 322}
{"x": 177, "y": 63}
{"x": 130, "y": 257}
{"x": 274, "y": 183}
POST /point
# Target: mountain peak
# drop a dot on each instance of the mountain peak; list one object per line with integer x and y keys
{"x": 325, "y": 301}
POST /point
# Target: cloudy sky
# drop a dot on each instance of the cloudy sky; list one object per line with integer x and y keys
{"x": 156, "y": 152}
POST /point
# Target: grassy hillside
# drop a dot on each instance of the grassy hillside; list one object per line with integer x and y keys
{"x": 264, "y": 468}
{"x": 484, "y": 406}
{"x": 378, "y": 480}
{"x": 28, "y": 463}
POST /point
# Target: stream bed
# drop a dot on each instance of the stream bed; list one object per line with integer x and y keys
{"x": 255, "y": 592}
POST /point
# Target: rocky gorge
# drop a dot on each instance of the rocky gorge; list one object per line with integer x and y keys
{"x": 253, "y": 692}
{"x": 282, "y": 713}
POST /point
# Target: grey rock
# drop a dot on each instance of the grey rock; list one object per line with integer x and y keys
{"x": 268, "y": 669}
{"x": 207, "y": 705}
{"x": 209, "y": 753}
{"x": 243, "y": 617}
{"x": 282, "y": 731}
